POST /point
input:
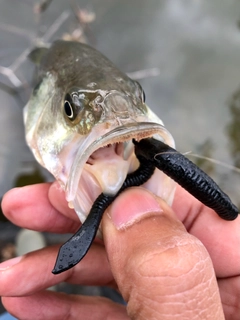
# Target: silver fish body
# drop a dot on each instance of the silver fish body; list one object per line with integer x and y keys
{"x": 80, "y": 122}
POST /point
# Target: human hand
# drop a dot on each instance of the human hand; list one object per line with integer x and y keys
{"x": 162, "y": 271}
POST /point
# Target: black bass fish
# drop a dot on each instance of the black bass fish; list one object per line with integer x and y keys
{"x": 80, "y": 122}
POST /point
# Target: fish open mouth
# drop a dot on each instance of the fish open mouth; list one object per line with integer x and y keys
{"x": 101, "y": 166}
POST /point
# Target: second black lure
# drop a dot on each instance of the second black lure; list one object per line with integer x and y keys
{"x": 151, "y": 153}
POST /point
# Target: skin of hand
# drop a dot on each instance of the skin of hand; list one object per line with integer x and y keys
{"x": 168, "y": 263}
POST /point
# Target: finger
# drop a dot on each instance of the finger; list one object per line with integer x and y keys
{"x": 32, "y": 272}
{"x": 49, "y": 305}
{"x": 220, "y": 237}
{"x": 160, "y": 269}
{"x": 36, "y": 211}
{"x": 230, "y": 293}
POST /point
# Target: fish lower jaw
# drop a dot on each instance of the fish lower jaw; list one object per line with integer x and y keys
{"x": 106, "y": 171}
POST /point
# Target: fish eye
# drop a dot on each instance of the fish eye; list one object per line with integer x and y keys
{"x": 68, "y": 109}
{"x": 72, "y": 108}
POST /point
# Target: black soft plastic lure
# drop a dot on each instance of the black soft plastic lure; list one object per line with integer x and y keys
{"x": 151, "y": 153}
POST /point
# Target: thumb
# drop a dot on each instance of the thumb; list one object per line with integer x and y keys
{"x": 162, "y": 271}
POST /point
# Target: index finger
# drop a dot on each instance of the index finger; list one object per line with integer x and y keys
{"x": 30, "y": 207}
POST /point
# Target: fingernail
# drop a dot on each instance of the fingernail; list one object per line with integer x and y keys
{"x": 131, "y": 206}
{"x": 9, "y": 263}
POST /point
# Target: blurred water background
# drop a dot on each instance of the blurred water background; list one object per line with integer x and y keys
{"x": 185, "y": 53}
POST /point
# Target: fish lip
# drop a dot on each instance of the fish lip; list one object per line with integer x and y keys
{"x": 138, "y": 131}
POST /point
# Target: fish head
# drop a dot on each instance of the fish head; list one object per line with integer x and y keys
{"x": 80, "y": 122}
